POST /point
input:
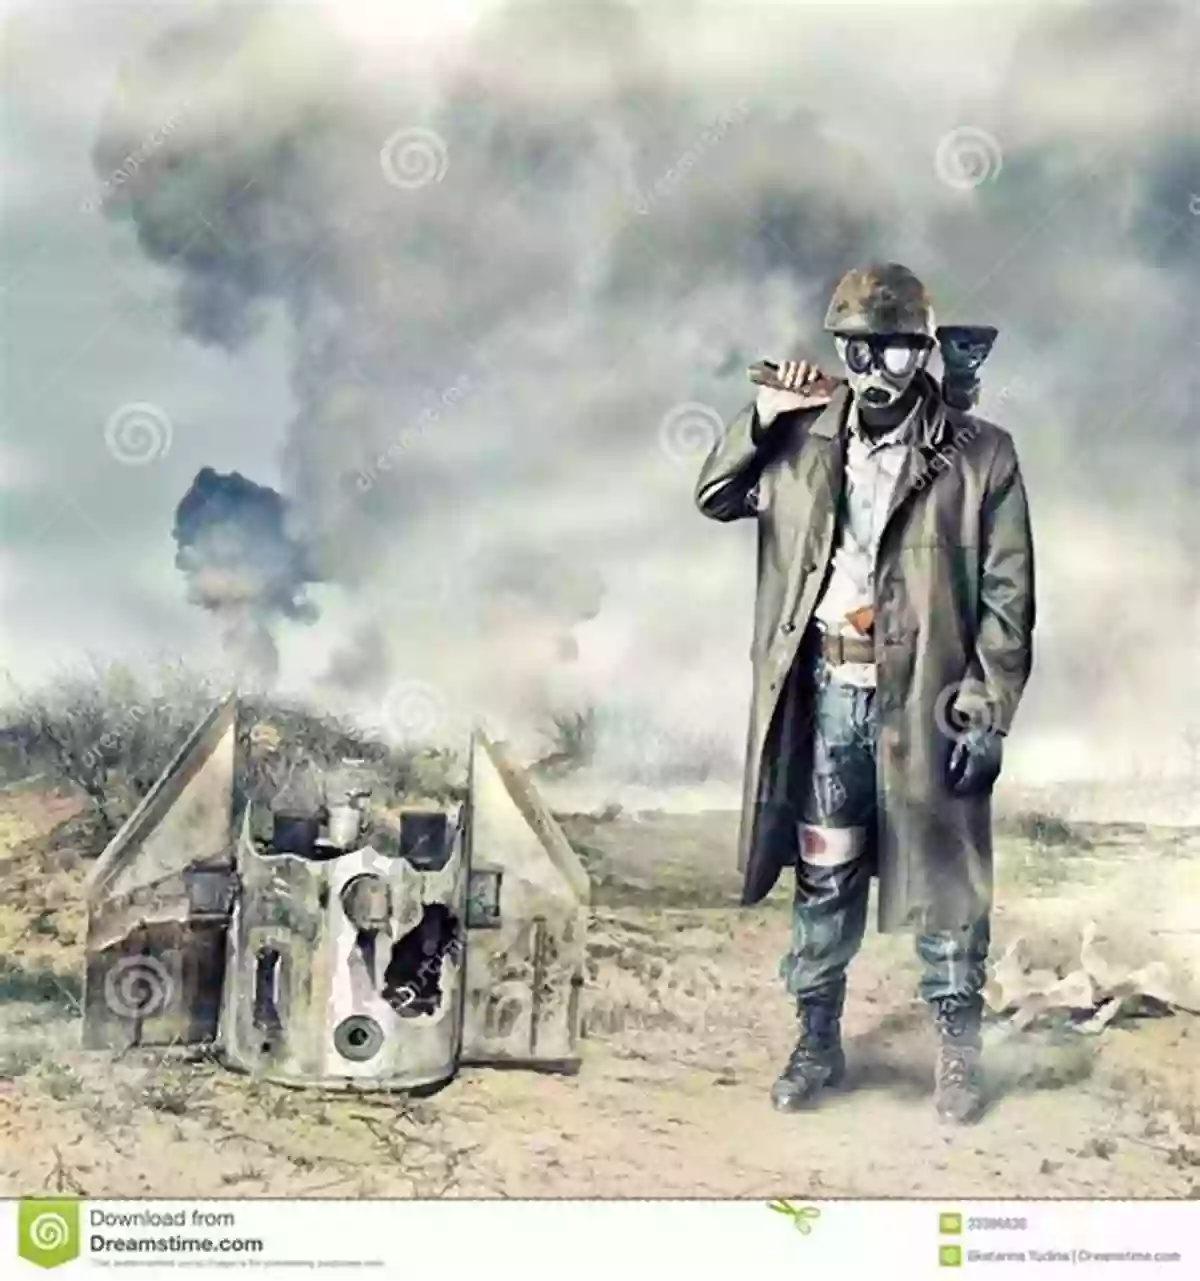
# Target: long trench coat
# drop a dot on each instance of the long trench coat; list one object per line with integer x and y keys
{"x": 954, "y": 615}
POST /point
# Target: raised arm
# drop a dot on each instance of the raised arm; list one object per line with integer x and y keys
{"x": 732, "y": 469}
{"x": 725, "y": 490}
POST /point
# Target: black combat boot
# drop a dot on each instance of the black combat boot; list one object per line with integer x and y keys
{"x": 817, "y": 1062}
{"x": 958, "y": 1087}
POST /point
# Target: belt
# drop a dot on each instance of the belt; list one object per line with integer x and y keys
{"x": 837, "y": 649}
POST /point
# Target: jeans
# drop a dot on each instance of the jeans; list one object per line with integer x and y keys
{"x": 833, "y": 875}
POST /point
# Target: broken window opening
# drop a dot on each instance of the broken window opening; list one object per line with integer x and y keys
{"x": 412, "y": 982}
{"x": 266, "y": 990}
{"x": 483, "y": 898}
{"x": 425, "y": 839}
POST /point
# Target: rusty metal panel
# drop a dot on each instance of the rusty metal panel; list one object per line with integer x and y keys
{"x": 271, "y": 1020}
{"x": 183, "y": 820}
{"x": 340, "y": 965}
{"x": 159, "y": 901}
{"x": 159, "y": 987}
{"x": 528, "y": 923}
{"x": 361, "y": 955}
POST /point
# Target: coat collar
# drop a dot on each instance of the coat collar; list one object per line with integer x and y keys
{"x": 932, "y": 427}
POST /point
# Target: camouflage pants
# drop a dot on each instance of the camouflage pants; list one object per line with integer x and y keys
{"x": 833, "y": 876}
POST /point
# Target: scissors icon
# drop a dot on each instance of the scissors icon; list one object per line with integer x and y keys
{"x": 802, "y": 1216}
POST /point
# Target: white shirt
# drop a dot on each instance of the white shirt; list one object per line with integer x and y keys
{"x": 872, "y": 471}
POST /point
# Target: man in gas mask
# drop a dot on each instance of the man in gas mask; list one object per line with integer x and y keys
{"x": 892, "y": 645}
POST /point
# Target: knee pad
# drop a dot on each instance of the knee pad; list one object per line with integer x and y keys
{"x": 831, "y": 846}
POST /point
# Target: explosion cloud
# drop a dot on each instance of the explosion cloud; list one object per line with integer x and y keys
{"x": 518, "y": 263}
{"x": 242, "y": 565}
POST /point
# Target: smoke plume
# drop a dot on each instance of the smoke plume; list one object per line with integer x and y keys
{"x": 242, "y": 565}
{"x": 523, "y": 277}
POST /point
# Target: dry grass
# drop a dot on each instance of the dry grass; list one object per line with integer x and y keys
{"x": 681, "y": 999}
{"x": 104, "y": 735}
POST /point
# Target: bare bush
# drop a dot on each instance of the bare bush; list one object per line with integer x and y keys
{"x": 573, "y": 741}
{"x": 289, "y": 749}
{"x": 109, "y": 733}
{"x": 1043, "y": 830}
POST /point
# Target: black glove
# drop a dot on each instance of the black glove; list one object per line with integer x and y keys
{"x": 975, "y": 761}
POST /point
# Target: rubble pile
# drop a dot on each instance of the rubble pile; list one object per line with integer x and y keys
{"x": 1091, "y": 996}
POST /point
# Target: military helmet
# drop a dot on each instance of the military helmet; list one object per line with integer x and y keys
{"x": 884, "y": 298}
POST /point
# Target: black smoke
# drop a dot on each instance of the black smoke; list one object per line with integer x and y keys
{"x": 242, "y": 565}
{"x": 620, "y": 209}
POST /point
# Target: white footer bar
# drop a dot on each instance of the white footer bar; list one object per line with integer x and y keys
{"x": 579, "y": 1240}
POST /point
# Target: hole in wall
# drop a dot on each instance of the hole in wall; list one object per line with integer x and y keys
{"x": 266, "y": 989}
{"x": 412, "y": 982}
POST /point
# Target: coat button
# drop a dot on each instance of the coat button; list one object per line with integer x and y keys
{"x": 788, "y": 628}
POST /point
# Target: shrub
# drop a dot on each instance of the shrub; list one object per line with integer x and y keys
{"x": 573, "y": 741}
{"x": 1048, "y": 829}
{"x": 109, "y": 733}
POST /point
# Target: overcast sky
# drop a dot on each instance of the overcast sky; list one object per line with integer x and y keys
{"x": 472, "y": 284}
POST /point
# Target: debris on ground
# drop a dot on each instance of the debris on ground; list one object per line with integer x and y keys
{"x": 669, "y": 977}
{"x": 1091, "y": 997}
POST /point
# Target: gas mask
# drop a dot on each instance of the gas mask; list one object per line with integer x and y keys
{"x": 880, "y": 367}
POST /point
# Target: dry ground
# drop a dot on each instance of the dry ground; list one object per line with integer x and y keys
{"x": 687, "y": 1026}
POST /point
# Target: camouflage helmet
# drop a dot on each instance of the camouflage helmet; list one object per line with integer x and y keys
{"x": 884, "y": 298}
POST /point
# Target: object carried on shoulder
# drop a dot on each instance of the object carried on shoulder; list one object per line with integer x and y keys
{"x": 963, "y": 348}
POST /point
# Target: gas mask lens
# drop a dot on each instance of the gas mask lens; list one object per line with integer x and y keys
{"x": 858, "y": 355}
{"x": 898, "y": 359}
{"x": 895, "y": 357}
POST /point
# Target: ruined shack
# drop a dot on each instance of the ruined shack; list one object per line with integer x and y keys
{"x": 308, "y": 950}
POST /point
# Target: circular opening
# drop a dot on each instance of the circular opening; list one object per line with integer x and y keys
{"x": 358, "y": 1038}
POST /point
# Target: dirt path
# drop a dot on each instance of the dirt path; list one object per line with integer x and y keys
{"x": 687, "y": 1027}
